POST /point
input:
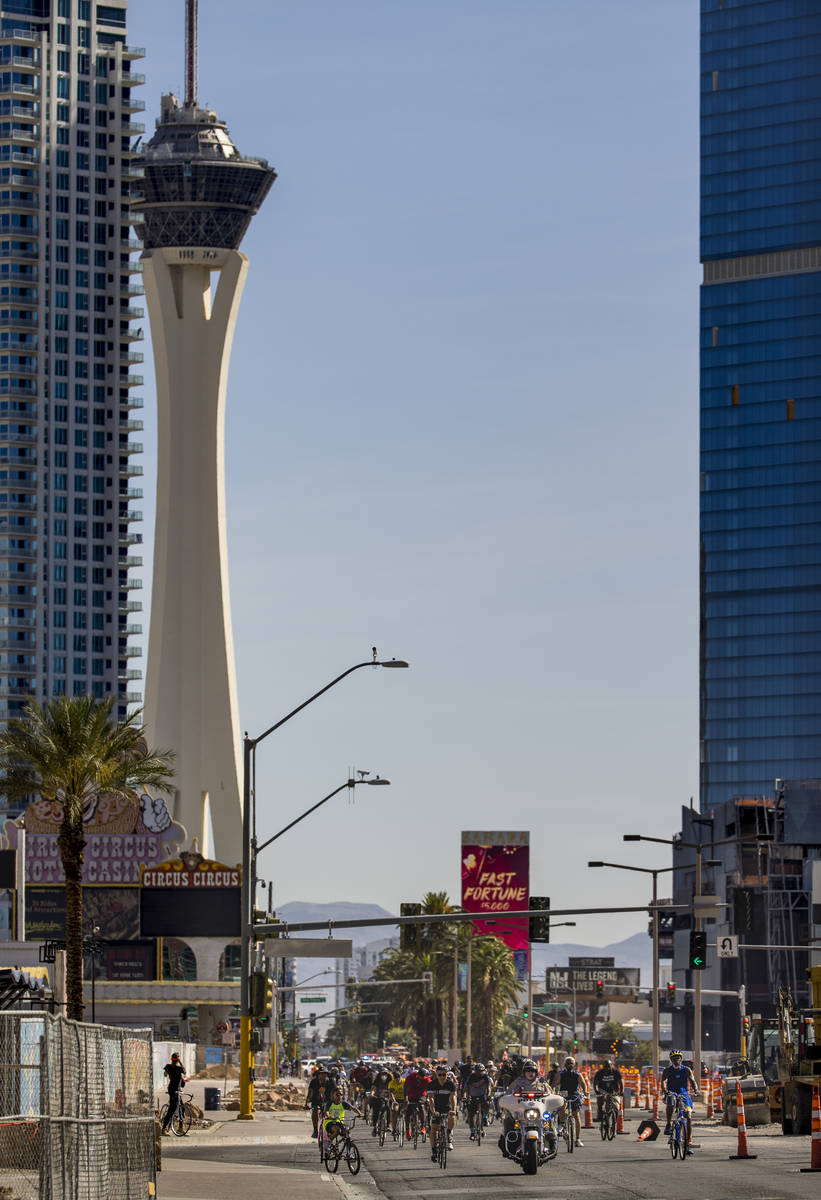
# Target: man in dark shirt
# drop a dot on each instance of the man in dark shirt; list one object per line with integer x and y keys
{"x": 442, "y": 1104}
{"x": 318, "y": 1097}
{"x": 176, "y": 1078}
{"x": 607, "y": 1081}
{"x": 571, "y": 1085}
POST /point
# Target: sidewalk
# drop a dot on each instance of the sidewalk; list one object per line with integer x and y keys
{"x": 249, "y": 1160}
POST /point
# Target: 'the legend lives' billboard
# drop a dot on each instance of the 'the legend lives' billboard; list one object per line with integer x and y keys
{"x": 496, "y": 878}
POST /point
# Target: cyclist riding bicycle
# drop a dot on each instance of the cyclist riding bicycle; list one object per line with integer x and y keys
{"x": 572, "y": 1086}
{"x": 442, "y": 1104}
{"x": 676, "y": 1080}
{"x": 361, "y": 1079}
{"x": 477, "y": 1093}
{"x": 397, "y": 1086}
{"x": 607, "y": 1082}
{"x": 416, "y": 1088}
{"x": 318, "y": 1097}
{"x": 381, "y": 1096}
{"x": 334, "y": 1119}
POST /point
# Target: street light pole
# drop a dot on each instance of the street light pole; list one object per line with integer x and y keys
{"x": 699, "y": 848}
{"x": 249, "y": 849}
{"x": 655, "y": 872}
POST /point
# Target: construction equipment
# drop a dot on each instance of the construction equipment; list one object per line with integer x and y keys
{"x": 786, "y": 1051}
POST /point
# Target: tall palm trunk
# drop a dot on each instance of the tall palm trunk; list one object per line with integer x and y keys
{"x": 72, "y": 844}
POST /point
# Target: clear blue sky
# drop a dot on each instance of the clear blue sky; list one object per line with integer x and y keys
{"x": 462, "y": 426}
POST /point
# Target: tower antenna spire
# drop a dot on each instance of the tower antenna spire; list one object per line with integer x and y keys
{"x": 191, "y": 53}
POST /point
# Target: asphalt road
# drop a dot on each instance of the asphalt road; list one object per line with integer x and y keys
{"x": 275, "y": 1156}
{"x": 624, "y": 1169}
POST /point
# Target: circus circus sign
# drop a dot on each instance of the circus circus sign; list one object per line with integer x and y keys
{"x": 122, "y": 836}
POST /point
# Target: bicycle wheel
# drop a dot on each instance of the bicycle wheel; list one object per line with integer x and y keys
{"x": 603, "y": 1125}
{"x": 479, "y": 1125}
{"x": 684, "y": 1141}
{"x": 320, "y": 1141}
{"x": 186, "y": 1116}
{"x": 381, "y": 1128}
{"x": 611, "y": 1125}
{"x": 673, "y": 1140}
{"x": 163, "y": 1113}
{"x": 570, "y": 1132}
{"x": 443, "y": 1146}
{"x": 415, "y": 1128}
{"x": 332, "y": 1158}
{"x": 352, "y": 1158}
{"x": 178, "y": 1122}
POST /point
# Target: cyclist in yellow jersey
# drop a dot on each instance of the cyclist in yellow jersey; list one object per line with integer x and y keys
{"x": 334, "y": 1120}
{"x": 397, "y": 1089}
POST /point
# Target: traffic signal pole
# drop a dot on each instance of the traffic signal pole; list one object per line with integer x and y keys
{"x": 697, "y": 982}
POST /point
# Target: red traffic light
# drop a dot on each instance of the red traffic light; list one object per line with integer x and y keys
{"x": 599, "y": 987}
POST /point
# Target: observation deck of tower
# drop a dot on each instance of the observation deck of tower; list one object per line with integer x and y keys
{"x": 198, "y": 189}
{"x": 198, "y": 198}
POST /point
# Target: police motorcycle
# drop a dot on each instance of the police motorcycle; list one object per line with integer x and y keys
{"x": 534, "y": 1138}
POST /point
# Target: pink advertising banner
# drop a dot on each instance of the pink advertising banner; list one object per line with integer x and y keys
{"x": 496, "y": 878}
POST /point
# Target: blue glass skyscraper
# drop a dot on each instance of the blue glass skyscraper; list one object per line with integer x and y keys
{"x": 760, "y": 694}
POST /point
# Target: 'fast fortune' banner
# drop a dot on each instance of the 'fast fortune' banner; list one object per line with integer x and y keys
{"x": 496, "y": 878}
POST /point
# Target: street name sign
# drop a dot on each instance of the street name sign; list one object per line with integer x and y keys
{"x": 309, "y": 947}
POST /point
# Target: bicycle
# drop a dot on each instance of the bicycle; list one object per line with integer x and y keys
{"x": 679, "y": 1139}
{"x": 340, "y": 1146}
{"x": 439, "y": 1139}
{"x": 416, "y": 1122}
{"x": 382, "y": 1123}
{"x": 180, "y": 1122}
{"x": 477, "y": 1127}
{"x": 609, "y": 1113}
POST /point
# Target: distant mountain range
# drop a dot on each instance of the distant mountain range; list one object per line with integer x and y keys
{"x": 340, "y": 910}
{"x": 634, "y": 951}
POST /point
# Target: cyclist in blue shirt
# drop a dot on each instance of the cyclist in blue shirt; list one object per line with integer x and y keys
{"x": 677, "y": 1080}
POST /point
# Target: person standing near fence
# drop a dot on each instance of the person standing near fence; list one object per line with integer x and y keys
{"x": 176, "y": 1079}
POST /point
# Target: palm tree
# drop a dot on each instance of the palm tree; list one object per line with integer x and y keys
{"x": 493, "y": 990}
{"x": 71, "y": 751}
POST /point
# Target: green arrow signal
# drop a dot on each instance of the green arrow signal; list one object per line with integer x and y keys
{"x": 697, "y": 962}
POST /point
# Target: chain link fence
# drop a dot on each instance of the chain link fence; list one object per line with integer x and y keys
{"x": 76, "y": 1113}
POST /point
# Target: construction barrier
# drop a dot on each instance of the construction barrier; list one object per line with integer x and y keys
{"x": 815, "y": 1144}
{"x": 719, "y": 1094}
{"x": 743, "y": 1151}
{"x": 710, "y": 1086}
{"x": 620, "y": 1118}
{"x": 588, "y": 1111}
{"x": 655, "y": 1099}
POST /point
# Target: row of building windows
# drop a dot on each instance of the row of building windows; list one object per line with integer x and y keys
{"x": 781, "y": 330}
{"x": 762, "y": 689}
{"x": 787, "y": 601}
{"x": 760, "y": 517}
{"x": 730, "y": 244}
{"x": 729, "y": 163}
{"x": 764, "y": 577}
{"x": 800, "y": 452}
{"x": 769, "y": 436}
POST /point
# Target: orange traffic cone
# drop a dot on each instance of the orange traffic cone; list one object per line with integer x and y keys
{"x": 710, "y": 1090}
{"x": 648, "y": 1131}
{"x": 742, "y": 1126}
{"x": 655, "y": 1099}
{"x": 637, "y": 1093}
{"x": 719, "y": 1095}
{"x": 588, "y": 1111}
{"x": 620, "y": 1118}
{"x": 815, "y": 1153}
{"x": 647, "y": 1094}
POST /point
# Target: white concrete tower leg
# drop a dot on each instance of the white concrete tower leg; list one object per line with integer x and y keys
{"x": 191, "y": 694}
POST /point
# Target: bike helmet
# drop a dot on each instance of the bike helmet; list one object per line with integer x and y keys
{"x": 570, "y": 1062}
{"x": 529, "y": 1065}
{"x": 676, "y": 1054}
{"x": 420, "y": 1069}
{"x": 477, "y": 1066}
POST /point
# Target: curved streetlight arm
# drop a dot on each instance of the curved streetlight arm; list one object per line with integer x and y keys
{"x": 625, "y": 867}
{"x": 350, "y": 783}
{"x": 358, "y": 667}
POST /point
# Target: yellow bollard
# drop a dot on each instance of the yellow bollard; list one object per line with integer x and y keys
{"x": 246, "y": 1072}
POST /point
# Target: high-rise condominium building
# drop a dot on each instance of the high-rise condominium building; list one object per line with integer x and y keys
{"x": 68, "y": 284}
{"x": 760, "y": 396}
